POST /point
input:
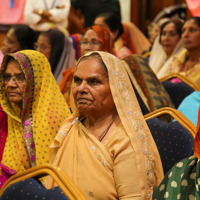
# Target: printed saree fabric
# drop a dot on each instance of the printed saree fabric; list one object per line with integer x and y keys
{"x": 183, "y": 180}
{"x": 32, "y": 128}
{"x": 127, "y": 164}
{"x": 147, "y": 84}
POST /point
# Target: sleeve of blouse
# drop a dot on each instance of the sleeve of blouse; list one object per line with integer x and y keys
{"x": 125, "y": 171}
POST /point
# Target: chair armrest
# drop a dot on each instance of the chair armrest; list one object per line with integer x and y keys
{"x": 182, "y": 78}
{"x": 184, "y": 121}
{"x": 63, "y": 181}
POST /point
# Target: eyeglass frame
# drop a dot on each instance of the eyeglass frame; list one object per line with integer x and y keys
{"x": 91, "y": 43}
{"x": 16, "y": 78}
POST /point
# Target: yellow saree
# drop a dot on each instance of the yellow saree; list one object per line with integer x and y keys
{"x": 32, "y": 129}
{"x": 127, "y": 164}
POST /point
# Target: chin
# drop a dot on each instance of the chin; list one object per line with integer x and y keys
{"x": 15, "y": 101}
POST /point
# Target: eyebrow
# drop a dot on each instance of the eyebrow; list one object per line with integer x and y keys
{"x": 13, "y": 74}
{"x": 89, "y": 78}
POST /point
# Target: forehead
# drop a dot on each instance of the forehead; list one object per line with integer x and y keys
{"x": 13, "y": 66}
{"x": 90, "y": 67}
{"x": 190, "y": 22}
{"x": 43, "y": 39}
{"x": 170, "y": 26}
{"x": 90, "y": 34}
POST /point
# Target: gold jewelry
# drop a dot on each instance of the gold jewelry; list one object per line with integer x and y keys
{"x": 100, "y": 138}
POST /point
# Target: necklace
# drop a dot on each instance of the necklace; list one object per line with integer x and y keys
{"x": 100, "y": 138}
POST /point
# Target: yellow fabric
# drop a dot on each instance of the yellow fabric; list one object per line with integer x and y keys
{"x": 127, "y": 164}
{"x": 43, "y": 111}
{"x": 177, "y": 66}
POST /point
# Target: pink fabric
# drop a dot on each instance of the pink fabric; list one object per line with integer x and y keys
{"x": 12, "y": 15}
{"x": 175, "y": 80}
{"x": 194, "y": 7}
{"x": 5, "y": 174}
{"x": 3, "y": 130}
{"x": 1, "y": 58}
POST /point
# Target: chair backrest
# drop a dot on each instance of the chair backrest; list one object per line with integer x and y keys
{"x": 32, "y": 189}
{"x": 178, "y": 90}
{"x": 65, "y": 184}
{"x": 174, "y": 140}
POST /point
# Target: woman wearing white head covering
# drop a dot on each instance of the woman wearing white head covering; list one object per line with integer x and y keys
{"x": 166, "y": 46}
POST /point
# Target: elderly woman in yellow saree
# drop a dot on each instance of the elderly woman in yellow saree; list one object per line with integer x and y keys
{"x": 34, "y": 107}
{"x": 105, "y": 147}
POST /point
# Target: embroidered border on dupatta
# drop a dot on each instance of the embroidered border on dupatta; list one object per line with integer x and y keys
{"x": 27, "y": 118}
{"x": 133, "y": 117}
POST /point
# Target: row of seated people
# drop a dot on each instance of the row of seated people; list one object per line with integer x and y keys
{"x": 105, "y": 112}
{"x": 85, "y": 91}
{"x": 14, "y": 112}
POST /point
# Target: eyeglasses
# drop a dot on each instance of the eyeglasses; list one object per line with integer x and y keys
{"x": 93, "y": 43}
{"x": 17, "y": 78}
{"x": 40, "y": 46}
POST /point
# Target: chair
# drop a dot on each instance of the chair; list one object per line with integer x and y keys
{"x": 175, "y": 139}
{"x": 178, "y": 91}
{"x": 16, "y": 185}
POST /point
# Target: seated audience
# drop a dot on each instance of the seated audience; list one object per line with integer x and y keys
{"x": 19, "y": 37}
{"x": 187, "y": 62}
{"x": 112, "y": 21}
{"x": 32, "y": 110}
{"x": 171, "y": 43}
{"x": 114, "y": 155}
{"x": 182, "y": 181}
{"x": 58, "y": 49}
{"x": 153, "y": 36}
{"x": 95, "y": 38}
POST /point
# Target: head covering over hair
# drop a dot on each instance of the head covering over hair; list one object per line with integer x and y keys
{"x": 62, "y": 52}
{"x": 107, "y": 44}
{"x": 105, "y": 37}
{"x": 159, "y": 61}
{"x": 89, "y": 154}
{"x": 32, "y": 128}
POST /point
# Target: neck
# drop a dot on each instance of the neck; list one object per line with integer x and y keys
{"x": 97, "y": 124}
{"x": 194, "y": 55}
{"x": 98, "y": 120}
